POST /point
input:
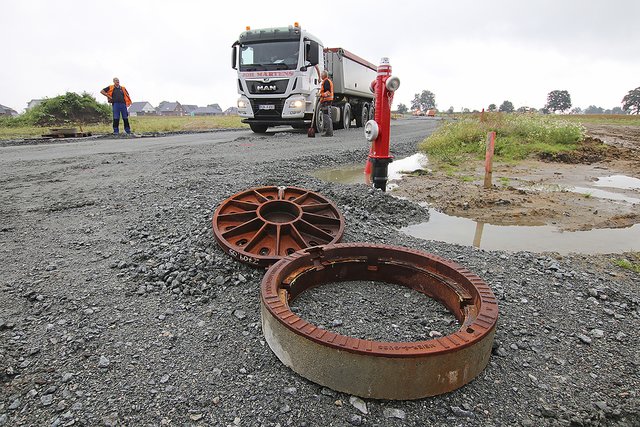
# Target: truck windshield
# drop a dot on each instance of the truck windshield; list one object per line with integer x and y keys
{"x": 277, "y": 55}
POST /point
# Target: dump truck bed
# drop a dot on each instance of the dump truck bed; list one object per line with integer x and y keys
{"x": 351, "y": 74}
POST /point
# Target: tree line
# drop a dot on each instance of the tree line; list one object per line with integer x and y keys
{"x": 557, "y": 101}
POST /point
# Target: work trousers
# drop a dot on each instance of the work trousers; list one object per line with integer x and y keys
{"x": 120, "y": 109}
{"x": 327, "y": 122}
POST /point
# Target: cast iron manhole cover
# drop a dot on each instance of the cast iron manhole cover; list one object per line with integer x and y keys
{"x": 261, "y": 225}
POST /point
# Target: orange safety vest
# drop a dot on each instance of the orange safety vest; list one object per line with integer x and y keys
{"x": 328, "y": 95}
{"x": 127, "y": 100}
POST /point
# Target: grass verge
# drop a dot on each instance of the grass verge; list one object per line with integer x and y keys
{"x": 517, "y": 137}
{"x": 629, "y": 265}
{"x": 14, "y": 129}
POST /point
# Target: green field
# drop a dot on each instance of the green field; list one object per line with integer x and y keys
{"x": 604, "y": 119}
{"x": 600, "y": 119}
{"x": 12, "y": 129}
{"x": 518, "y": 136}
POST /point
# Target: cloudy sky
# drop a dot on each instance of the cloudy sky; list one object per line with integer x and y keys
{"x": 469, "y": 53}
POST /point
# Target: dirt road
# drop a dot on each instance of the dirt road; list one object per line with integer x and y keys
{"x": 118, "y": 308}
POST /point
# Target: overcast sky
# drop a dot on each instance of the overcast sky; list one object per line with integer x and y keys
{"x": 469, "y": 53}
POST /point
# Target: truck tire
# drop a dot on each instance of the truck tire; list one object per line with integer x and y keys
{"x": 363, "y": 117}
{"x": 318, "y": 119}
{"x": 346, "y": 116}
{"x": 339, "y": 124}
{"x": 256, "y": 128}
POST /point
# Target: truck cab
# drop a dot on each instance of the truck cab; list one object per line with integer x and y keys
{"x": 279, "y": 76}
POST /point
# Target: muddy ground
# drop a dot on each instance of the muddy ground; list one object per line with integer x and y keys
{"x": 539, "y": 192}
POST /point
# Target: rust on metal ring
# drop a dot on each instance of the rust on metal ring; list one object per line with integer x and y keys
{"x": 375, "y": 369}
{"x": 261, "y": 225}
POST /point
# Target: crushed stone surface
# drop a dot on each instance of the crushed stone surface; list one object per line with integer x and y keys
{"x": 118, "y": 308}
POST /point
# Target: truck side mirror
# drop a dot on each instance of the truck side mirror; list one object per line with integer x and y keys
{"x": 311, "y": 52}
{"x": 234, "y": 56}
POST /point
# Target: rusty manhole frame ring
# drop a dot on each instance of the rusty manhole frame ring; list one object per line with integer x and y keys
{"x": 376, "y": 369}
{"x": 261, "y": 225}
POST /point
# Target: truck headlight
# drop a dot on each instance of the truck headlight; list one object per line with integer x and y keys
{"x": 242, "y": 103}
{"x": 297, "y": 104}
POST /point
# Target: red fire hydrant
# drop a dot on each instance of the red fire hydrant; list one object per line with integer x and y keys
{"x": 377, "y": 130}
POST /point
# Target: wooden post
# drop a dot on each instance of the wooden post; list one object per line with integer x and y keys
{"x": 488, "y": 160}
{"x": 477, "y": 237}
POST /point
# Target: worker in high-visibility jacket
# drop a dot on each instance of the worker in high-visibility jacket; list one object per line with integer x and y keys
{"x": 326, "y": 101}
{"x": 118, "y": 97}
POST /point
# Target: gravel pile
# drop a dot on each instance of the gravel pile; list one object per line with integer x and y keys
{"x": 124, "y": 311}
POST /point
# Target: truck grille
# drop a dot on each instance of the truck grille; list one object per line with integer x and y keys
{"x": 262, "y": 113}
{"x": 271, "y": 87}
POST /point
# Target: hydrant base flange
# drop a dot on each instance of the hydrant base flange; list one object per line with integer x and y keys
{"x": 380, "y": 171}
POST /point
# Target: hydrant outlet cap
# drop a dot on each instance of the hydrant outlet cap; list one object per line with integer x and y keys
{"x": 371, "y": 130}
{"x": 393, "y": 83}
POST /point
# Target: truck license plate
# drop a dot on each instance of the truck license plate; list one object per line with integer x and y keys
{"x": 267, "y": 107}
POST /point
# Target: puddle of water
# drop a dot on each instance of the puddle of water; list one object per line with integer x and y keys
{"x": 354, "y": 174}
{"x": 618, "y": 181}
{"x": 603, "y": 194}
{"x": 464, "y": 231}
{"x": 544, "y": 238}
{"x": 623, "y": 184}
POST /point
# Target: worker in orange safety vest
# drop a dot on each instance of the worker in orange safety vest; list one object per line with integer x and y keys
{"x": 118, "y": 97}
{"x": 326, "y": 101}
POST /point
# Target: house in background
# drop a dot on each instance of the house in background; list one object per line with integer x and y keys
{"x": 231, "y": 111}
{"x": 189, "y": 109}
{"x": 34, "y": 103}
{"x": 209, "y": 110}
{"x": 6, "y": 111}
{"x": 141, "y": 109}
{"x": 170, "y": 109}
{"x": 217, "y": 108}
{"x": 162, "y": 104}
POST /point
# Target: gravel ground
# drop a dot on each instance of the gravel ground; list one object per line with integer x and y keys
{"x": 362, "y": 312}
{"x": 118, "y": 308}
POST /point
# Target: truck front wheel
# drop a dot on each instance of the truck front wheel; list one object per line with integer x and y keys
{"x": 258, "y": 128}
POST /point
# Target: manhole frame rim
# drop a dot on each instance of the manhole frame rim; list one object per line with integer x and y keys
{"x": 483, "y": 324}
